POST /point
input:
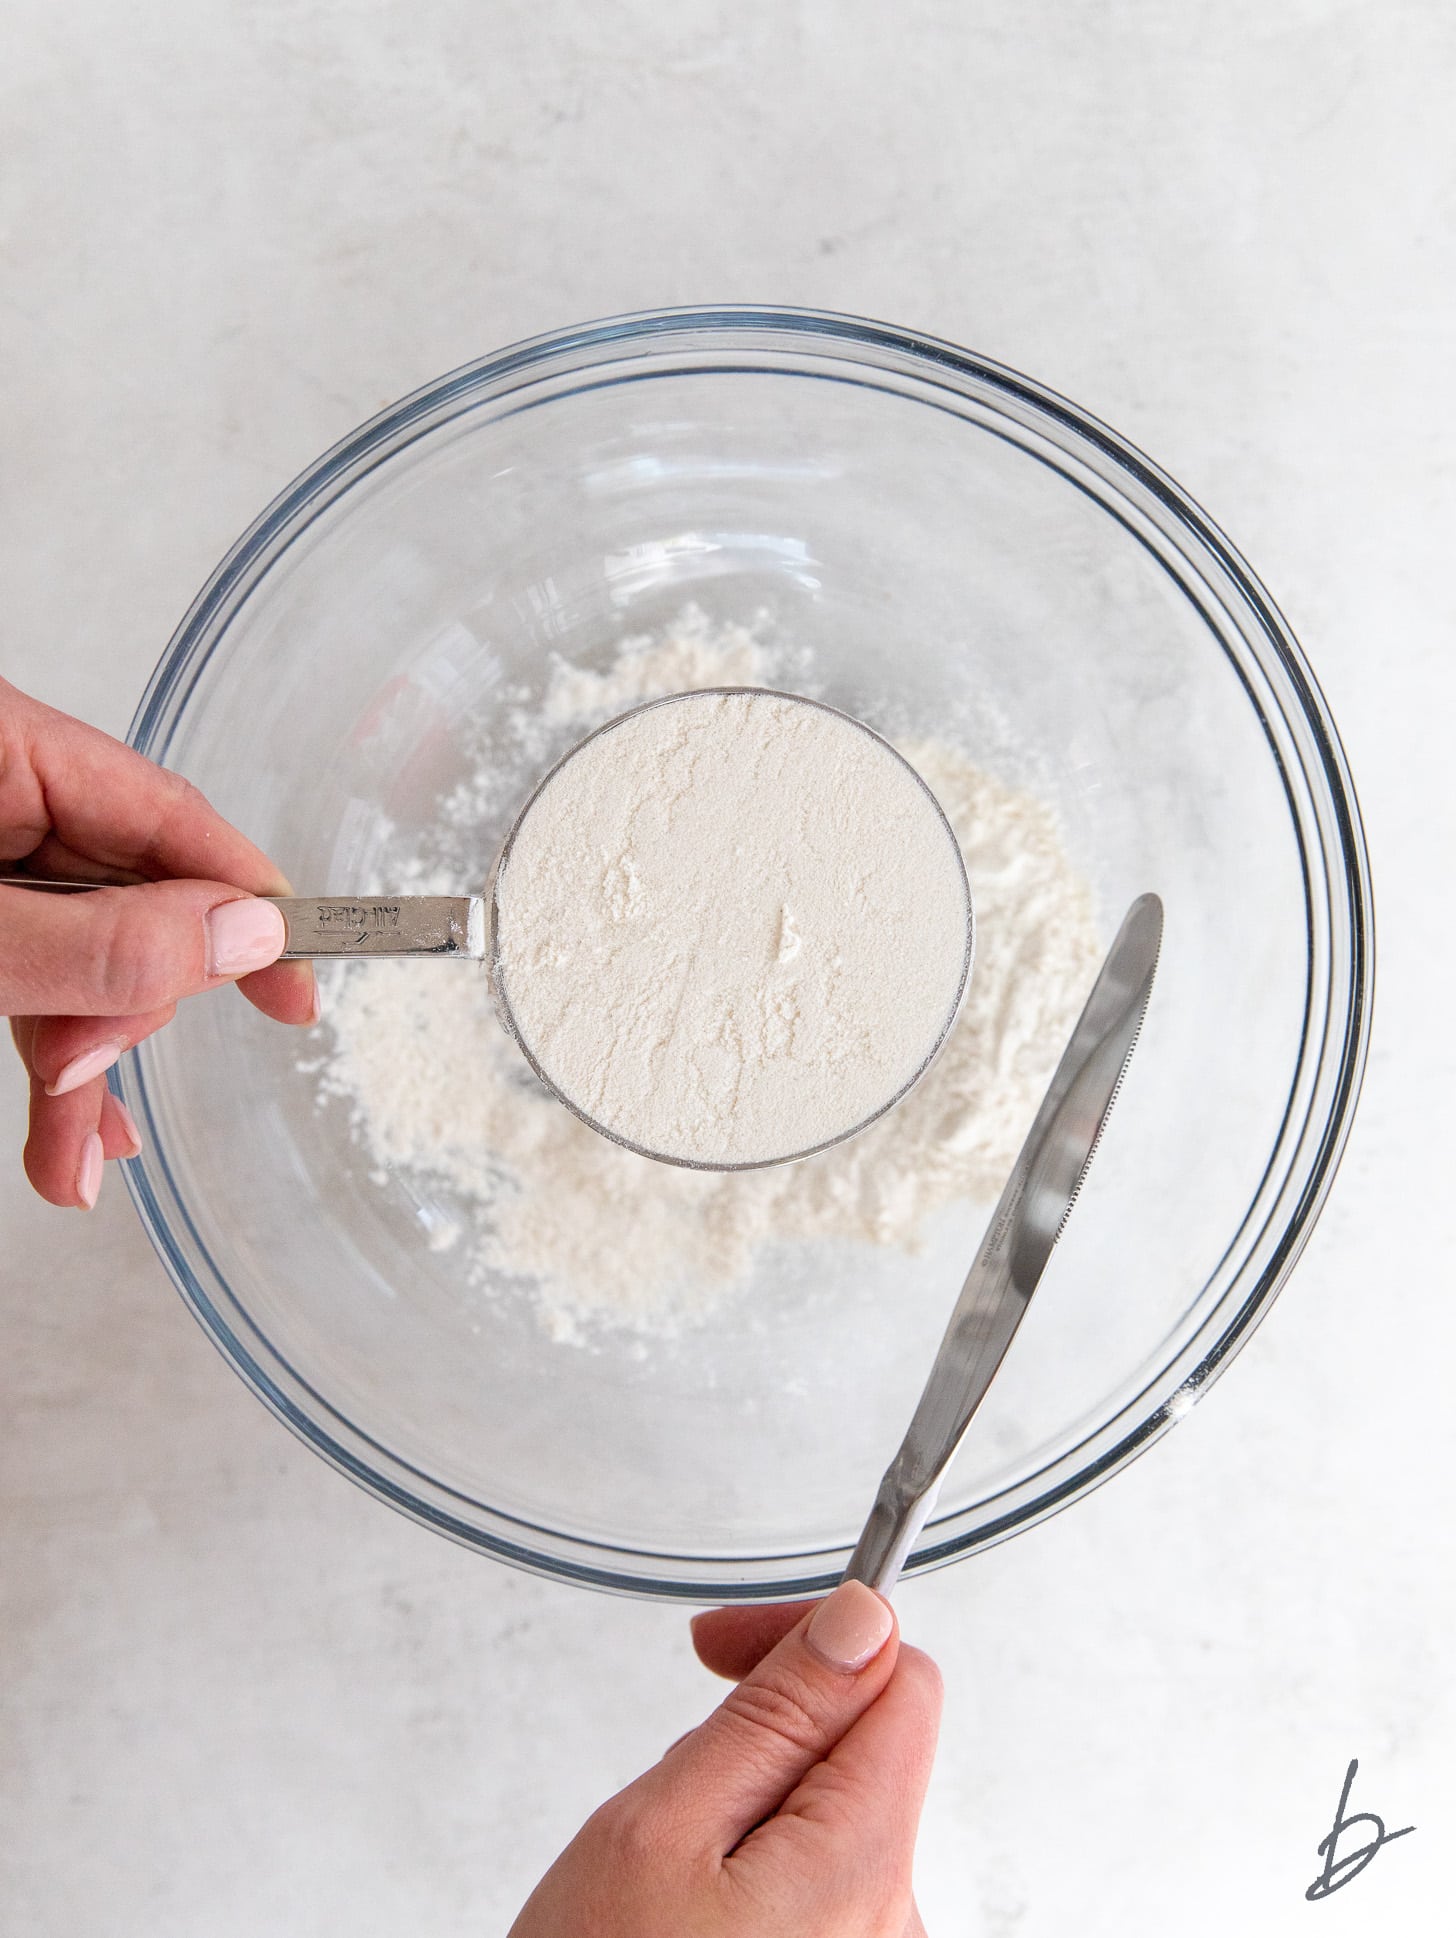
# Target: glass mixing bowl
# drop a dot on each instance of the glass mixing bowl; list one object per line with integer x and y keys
{"x": 950, "y": 541}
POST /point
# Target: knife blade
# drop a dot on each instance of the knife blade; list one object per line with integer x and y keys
{"x": 1028, "y": 1220}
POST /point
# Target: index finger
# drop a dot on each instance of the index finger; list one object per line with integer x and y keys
{"x": 104, "y": 800}
{"x": 733, "y": 1641}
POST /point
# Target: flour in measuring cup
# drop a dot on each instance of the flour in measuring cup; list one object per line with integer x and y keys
{"x": 731, "y": 927}
{"x": 602, "y": 1239}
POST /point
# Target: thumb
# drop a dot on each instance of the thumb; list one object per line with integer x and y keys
{"x": 126, "y": 951}
{"x": 736, "y": 1769}
{"x": 863, "y": 1801}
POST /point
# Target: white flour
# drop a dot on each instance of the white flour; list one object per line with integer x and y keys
{"x": 600, "y": 1237}
{"x": 731, "y": 928}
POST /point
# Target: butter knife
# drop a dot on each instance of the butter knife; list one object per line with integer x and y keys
{"x": 1027, "y": 1221}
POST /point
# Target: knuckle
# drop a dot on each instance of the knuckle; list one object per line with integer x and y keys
{"x": 132, "y": 971}
{"x": 179, "y": 806}
{"x": 182, "y": 801}
{"x": 186, "y": 795}
{"x": 631, "y": 1836}
{"x": 837, "y": 1802}
{"x": 783, "y": 1709}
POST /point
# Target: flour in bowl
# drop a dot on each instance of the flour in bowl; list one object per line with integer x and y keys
{"x": 602, "y": 1239}
{"x": 731, "y": 927}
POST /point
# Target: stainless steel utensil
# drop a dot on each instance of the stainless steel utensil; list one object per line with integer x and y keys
{"x": 467, "y": 927}
{"x": 1027, "y": 1221}
{"x": 321, "y": 925}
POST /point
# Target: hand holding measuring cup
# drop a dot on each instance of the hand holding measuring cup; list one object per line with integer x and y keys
{"x": 793, "y": 1808}
{"x": 84, "y": 977}
{"x": 727, "y": 930}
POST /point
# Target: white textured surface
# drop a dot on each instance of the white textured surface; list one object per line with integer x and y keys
{"x": 238, "y": 1697}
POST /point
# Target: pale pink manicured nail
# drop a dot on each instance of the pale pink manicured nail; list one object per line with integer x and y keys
{"x": 848, "y": 1630}
{"x": 318, "y": 1009}
{"x": 81, "y": 1069}
{"x": 128, "y": 1124}
{"x": 243, "y": 935}
{"x": 88, "y": 1174}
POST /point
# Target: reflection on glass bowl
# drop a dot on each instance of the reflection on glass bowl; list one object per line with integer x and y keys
{"x": 946, "y": 539}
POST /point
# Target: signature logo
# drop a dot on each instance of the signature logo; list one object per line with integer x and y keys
{"x": 1340, "y": 1871}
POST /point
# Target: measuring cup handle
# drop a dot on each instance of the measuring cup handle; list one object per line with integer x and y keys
{"x": 329, "y": 925}
{"x": 395, "y": 925}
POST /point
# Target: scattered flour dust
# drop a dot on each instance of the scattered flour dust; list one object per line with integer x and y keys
{"x": 607, "y": 1239}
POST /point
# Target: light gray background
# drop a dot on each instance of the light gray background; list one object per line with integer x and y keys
{"x": 238, "y": 1696}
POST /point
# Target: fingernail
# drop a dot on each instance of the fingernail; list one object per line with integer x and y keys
{"x": 243, "y": 935}
{"x": 81, "y": 1069}
{"x": 128, "y": 1124}
{"x": 848, "y": 1630}
{"x": 88, "y": 1174}
{"x": 318, "y": 1009}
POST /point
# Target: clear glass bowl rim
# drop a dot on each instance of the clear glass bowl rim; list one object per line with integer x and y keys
{"x": 755, "y": 331}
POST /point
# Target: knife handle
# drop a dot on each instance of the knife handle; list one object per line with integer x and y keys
{"x": 894, "y": 1526}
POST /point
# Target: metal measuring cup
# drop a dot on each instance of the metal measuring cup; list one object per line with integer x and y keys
{"x": 466, "y": 928}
